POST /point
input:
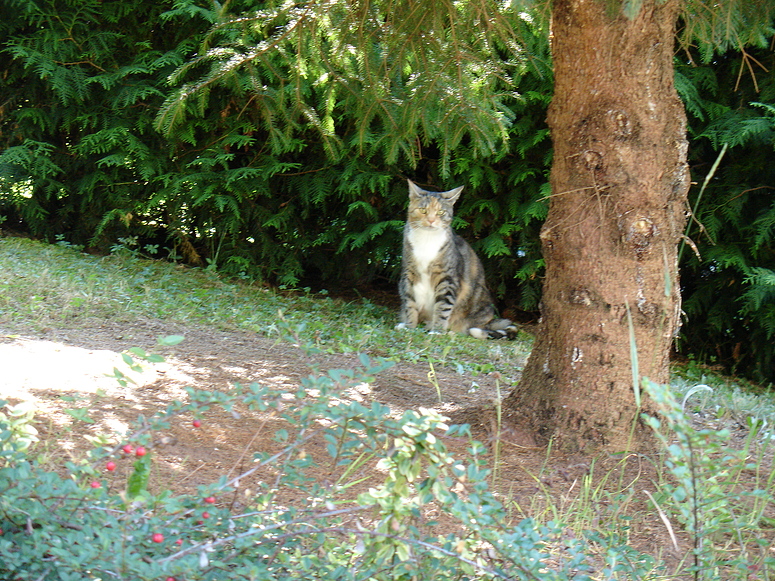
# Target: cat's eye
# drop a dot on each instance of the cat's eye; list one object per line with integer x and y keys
{"x": 441, "y": 212}
{"x": 422, "y": 210}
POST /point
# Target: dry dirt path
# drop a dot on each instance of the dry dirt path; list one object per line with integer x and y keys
{"x": 43, "y": 367}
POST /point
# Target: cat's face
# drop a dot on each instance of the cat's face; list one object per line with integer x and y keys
{"x": 431, "y": 210}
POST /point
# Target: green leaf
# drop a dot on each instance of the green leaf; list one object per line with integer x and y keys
{"x": 137, "y": 483}
{"x": 80, "y": 414}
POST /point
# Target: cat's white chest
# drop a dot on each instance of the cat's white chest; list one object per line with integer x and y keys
{"x": 426, "y": 245}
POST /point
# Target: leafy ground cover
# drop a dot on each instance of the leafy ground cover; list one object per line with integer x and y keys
{"x": 76, "y": 332}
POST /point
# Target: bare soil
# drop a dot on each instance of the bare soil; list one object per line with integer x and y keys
{"x": 44, "y": 366}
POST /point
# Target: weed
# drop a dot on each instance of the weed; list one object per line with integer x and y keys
{"x": 712, "y": 495}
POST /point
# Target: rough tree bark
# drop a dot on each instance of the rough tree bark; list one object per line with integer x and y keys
{"x": 619, "y": 188}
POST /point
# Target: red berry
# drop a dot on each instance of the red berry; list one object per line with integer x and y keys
{"x": 157, "y": 538}
{"x": 205, "y": 514}
{"x": 95, "y": 484}
{"x": 210, "y": 500}
{"x": 140, "y": 451}
{"x": 179, "y": 542}
{"x": 170, "y": 579}
{"x": 196, "y": 423}
{"x": 110, "y": 466}
{"x": 127, "y": 448}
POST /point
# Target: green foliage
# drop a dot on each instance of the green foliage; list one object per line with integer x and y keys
{"x": 710, "y": 493}
{"x": 77, "y": 78}
{"x": 728, "y": 26}
{"x": 727, "y": 286}
{"x": 351, "y": 68}
{"x": 64, "y": 526}
{"x": 18, "y": 432}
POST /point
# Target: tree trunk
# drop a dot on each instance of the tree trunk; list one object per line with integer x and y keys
{"x": 619, "y": 188}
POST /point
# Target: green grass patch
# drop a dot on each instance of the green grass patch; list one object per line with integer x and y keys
{"x": 44, "y": 285}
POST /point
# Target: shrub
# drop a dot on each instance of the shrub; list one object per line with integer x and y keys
{"x": 712, "y": 495}
{"x": 69, "y": 526}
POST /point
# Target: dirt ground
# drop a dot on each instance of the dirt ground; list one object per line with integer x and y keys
{"x": 43, "y": 366}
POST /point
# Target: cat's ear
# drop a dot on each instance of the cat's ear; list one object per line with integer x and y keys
{"x": 452, "y": 195}
{"x": 415, "y": 191}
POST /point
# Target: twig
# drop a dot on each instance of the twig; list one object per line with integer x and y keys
{"x": 665, "y": 520}
{"x": 260, "y": 531}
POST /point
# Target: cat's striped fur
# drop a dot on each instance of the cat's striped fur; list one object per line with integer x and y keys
{"x": 442, "y": 280}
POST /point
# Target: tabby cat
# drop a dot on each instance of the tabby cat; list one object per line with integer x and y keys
{"x": 442, "y": 279}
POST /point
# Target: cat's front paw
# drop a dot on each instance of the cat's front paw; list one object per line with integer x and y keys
{"x": 401, "y": 326}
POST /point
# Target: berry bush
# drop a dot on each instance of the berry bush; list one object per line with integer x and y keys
{"x": 66, "y": 524}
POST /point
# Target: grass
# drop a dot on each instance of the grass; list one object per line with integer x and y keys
{"x": 47, "y": 285}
